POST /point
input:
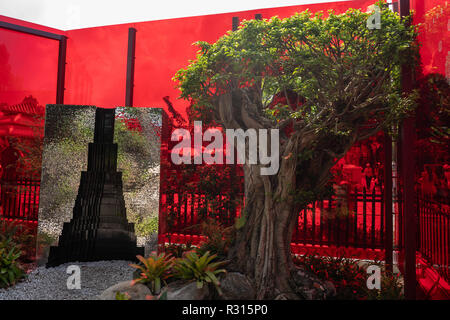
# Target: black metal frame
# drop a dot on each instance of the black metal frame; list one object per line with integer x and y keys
{"x": 235, "y": 21}
{"x": 61, "y": 53}
{"x": 130, "y": 67}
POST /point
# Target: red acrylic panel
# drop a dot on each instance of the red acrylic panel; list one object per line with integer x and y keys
{"x": 434, "y": 35}
{"x": 28, "y": 66}
{"x": 96, "y": 66}
{"x": 28, "y": 69}
{"x": 96, "y": 57}
{"x": 432, "y": 156}
{"x": 165, "y": 46}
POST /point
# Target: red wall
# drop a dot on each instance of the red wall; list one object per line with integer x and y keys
{"x": 96, "y": 57}
{"x": 434, "y": 34}
{"x": 28, "y": 65}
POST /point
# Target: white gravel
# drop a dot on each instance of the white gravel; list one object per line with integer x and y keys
{"x": 51, "y": 283}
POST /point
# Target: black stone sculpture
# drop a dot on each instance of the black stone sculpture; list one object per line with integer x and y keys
{"x": 99, "y": 229}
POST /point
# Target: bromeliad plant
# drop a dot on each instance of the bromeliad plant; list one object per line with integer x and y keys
{"x": 199, "y": 268}
{"x": 155, "y": 269}
{"x": 10, "y": 271}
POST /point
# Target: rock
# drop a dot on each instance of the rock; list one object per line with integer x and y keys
{"x": 331, "y": 288}
{"x": 310, "y": 287}
{"x": 236, "y": 286}
{"x": 281, "y": 296}
{"x": 136, "y": 292}
{"x": 180, "y": 290}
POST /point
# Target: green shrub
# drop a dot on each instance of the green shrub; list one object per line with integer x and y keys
{"x": 350, "y": 278}
{"x": 177, "y": 250}
{"x": 218, "y": 238}
{"x": 155, "y": 269}
{"x": 21, "y": 236}
{"x": 391, "y": 288}
{"x": 347, "y": 276}
{"x": 10, "y": 270}
{"x": 201, "y": 269}
{"x": 146, "y": 226}
{"x": 45, "y": 239}
{"x": 161, "y": 296}
{"x": 122, "y": 296}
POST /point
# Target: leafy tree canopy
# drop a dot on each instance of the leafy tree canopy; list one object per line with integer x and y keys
{"x": 344, "y": 72}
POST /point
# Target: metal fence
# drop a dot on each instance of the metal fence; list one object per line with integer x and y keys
{"x": 20, "y": 198}
{"x": 434, "y": 234}
{"x": 183, "y": 212}
{"x": 357, "y": 222}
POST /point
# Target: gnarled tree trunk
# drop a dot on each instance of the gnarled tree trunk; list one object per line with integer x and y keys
{"x": 262, "y": 246}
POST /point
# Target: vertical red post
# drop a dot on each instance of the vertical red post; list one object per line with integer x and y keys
{"x": 408, "y": 173}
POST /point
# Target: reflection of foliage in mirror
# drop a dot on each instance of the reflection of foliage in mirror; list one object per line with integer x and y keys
{"x": 69, "y": 130}
{"x": 433, "y": 118}
{"x": 29, "y": 164}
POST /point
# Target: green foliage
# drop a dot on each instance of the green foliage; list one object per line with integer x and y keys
{"x": 146, "y": 226}
{"x": 241, "y": 220}
{"x": 350, "y": 278}
{"x": 218, "y": 238}
{"x": 126, "y": 296}
{"x": 129, "y": 141}
{"x": 122, "y": 296}
{"x": 434, "y": 113}
{"x": 43, "y": 243}
{"x": 10, "y": 271}
{"x": 8, "y": 230}
{"x": 45, "y": 239}
{"x": 199, "y": 268}
{"x": 68, "y": 133}
{"x": 161, "y": 296}
{"x": 177, "y": 250}
{"x": 19, "y": 235}
{"x": 130, "y": 144}
{"x": 391, "y": 288}
{"x": 346, "y": 73}
{"x": 155, "y": 269}
{"x": 206, "y": 180}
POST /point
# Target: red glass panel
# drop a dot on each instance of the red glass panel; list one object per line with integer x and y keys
{"x": 28, "y": 65}
{"x": 96, "y": 66}
{"x": 432, "y": 177}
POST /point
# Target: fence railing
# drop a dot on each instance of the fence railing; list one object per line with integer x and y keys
{"x": 356, "y": 222}
{"x": 434, "y": 234}
{"x": 183, "y": 212}
{"x": 19, "y": 198}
